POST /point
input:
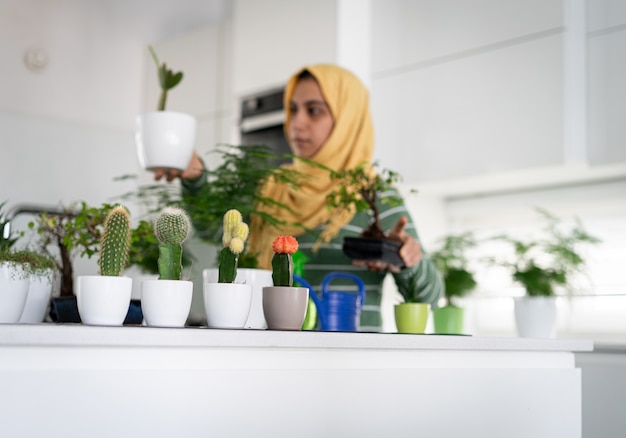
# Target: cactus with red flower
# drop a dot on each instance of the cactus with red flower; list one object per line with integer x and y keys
{"x": 282, "y": 262}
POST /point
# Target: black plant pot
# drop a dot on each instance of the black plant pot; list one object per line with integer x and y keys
{"x": 366, "y": 248}
{"x": 65, "y": 309}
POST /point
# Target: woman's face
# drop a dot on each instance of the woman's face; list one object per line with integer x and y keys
{"x": 311, "y": 121}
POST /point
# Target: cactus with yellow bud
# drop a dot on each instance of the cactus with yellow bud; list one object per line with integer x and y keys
{"x": 234, "y": 237}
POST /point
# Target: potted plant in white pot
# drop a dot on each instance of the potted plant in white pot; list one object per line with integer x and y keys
{"x": 284, "y": 305}
{"x": 42, "y": 278}
{"x": 104, "y": 299}
{"x": 166, "y": 301}
{"x": 14, "y": 282}
{"x": 541, "y": 265}
{"x": 165, "y": 139}
{"x": 451, "y": 260}
{"x": 227, "y": 303}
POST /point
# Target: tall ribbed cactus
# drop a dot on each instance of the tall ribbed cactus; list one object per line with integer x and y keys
{"x": 115, "y": 242}
{"x": 282, "y": 262}
{"x": 171, "y": 229}
{"x": 235, "y": 234}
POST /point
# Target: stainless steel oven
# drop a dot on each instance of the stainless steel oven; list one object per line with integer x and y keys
{"x": 262, "y": 120}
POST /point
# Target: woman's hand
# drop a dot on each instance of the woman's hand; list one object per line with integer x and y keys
{"x": 410, "y": 251}
{"x": 193, "y": 171}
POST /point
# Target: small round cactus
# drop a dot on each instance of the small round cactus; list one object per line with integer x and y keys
{"x": 115, "y": 242}
{"x": 171, "y": 229}
{"x": 234, "y": 237}
{"x": 282, "y": 262}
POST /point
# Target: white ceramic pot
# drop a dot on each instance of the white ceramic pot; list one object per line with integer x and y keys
{"x": 166, "y": 303}
{"x": 39, "y": 292}
{"x": 14, "y": 284}
{"x": 535, "y": 317}
{"x": 103, "y": 300}
{"x": 165, "y": 139}
{"x": 227, "y": 305}
{"x": 258, "y": 278}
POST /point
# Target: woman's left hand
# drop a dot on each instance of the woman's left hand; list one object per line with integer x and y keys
{"x": 410, "y": 251}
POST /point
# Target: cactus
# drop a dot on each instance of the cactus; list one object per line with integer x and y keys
{"x": 171, "y": 229}
{"x": 235, "y": 234}
{"x": 282, "y": 262}
{"x": 115, "y": 242}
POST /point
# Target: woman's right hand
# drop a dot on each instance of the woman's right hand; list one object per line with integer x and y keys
{"x": 193, "y": 171}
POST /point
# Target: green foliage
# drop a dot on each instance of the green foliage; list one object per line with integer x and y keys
{"x": 451, "y": 260}
{"x": 171, "y": 229}
{"x": 115, "y": 242}
{"x": 282, "y": 269}
{"x": 167, "y": 79}
{"x": 542, "y": 264}
{"x": 234, "y": 183}
{"x": 360, "y": 188}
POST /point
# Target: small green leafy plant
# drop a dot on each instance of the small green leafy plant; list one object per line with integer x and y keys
{"x": 234, "y": 237}
{"x": 31, "y": 262}
{"x": 171, "y": 229}
{"x": 451, "y": 260}
{"x": 167, "y": 79}
{"x": 542, "y": 264}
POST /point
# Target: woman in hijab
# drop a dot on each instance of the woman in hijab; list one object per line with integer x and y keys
{"x": 328, "y": 121}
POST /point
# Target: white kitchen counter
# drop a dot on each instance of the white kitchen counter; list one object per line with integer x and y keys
{"x": 152, "y": 382}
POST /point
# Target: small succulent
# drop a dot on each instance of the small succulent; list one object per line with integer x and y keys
{"x": 115, "y": 242}
{"x": 235, "y": 234}
{"x": 167, "y": 79}
{"x": 171, "y": 229}
{"x": 282, "y": 261}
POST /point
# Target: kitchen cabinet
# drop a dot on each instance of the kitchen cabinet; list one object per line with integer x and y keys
{"x": 462, "y": 89}
{"x": 141, "y": 381}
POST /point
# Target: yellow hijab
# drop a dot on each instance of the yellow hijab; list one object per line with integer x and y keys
{"x": 350, "y": 143}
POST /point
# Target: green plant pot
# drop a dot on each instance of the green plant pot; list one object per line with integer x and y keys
{"x": 310, "y": 319}
{"x": 448, "y": 320}
{"x": 411, "y": 317}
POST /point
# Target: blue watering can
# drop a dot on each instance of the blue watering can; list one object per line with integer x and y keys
{"x": 338, "y": 311}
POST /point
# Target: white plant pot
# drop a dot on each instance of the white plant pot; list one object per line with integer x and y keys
{"x": 535, "y": 317}
{"x": 14, "y": 284}
{"x": 165, "y": 139}
{"x": 258, "y": 278}
{"x": 39, "y": 292}
{"x": 166, "y": 303}
{"x": 227, "y": 305}
{"x": 103, "y": 300}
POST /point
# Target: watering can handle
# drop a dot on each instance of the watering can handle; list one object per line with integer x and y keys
{"x": 348, "y": 276}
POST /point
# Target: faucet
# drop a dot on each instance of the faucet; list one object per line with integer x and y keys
{"x": 27, "y": 208}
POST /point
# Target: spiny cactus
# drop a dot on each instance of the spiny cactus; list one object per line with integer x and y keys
{"x": 171, "y": 229}
{"x": 282, "y": 262}
{"x": 115, "y": 242}
{"x": 235, "y": 234}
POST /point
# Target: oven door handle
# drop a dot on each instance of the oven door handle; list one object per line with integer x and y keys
{"x": 262, "y": 121}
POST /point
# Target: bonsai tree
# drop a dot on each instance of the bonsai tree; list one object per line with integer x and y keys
{"x": 450, "y": 259}
{"x": 359, "y": 188}
{"x": 235, "y": 234}
{"x": 167, "y": 79}
{"x": 542, "y": 264}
